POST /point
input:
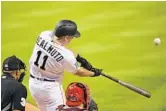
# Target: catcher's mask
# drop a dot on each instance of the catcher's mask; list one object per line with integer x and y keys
{"x": 77, "y": 94}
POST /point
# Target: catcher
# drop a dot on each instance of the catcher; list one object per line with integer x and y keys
{"x": 78, "y": 99}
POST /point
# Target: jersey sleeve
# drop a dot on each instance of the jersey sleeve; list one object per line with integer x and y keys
{"x": 71, "y": 65}
{"x": 19, "y": 98}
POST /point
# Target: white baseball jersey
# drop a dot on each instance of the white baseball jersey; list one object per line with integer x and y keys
{"x": 49, "y": 60}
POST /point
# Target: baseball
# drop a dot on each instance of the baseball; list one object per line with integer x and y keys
{"x": 157, "y": 41}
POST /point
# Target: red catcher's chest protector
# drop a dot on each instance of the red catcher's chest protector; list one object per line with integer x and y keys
{"x": 77, "y": 94}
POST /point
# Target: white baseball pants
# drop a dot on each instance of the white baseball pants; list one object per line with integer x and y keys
{"x": 48, "y": 95}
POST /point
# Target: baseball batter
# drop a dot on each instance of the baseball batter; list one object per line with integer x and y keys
{"x": 48, "y": 61}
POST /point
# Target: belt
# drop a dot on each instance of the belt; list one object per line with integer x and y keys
{"x": 41, "y": 79}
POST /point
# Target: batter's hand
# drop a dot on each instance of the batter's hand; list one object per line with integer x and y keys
{"x": 84, "y": 63}
{"x": 96, "y": 71}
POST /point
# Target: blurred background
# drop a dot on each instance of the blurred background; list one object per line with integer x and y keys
{"x": 115, "y": 36}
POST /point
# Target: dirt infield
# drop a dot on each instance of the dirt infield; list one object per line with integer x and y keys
{"x": 30, "y": 107}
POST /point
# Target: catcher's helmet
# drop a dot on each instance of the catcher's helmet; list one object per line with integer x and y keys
{"x": 13, "y": 63}
{"x": 77, "y": 94}
{"x": 66, "y": 28}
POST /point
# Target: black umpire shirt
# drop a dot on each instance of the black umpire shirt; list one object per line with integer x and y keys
{"x": 13, "y": 94}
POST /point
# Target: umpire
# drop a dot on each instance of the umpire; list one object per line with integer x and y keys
{"x": 13, "y": 92}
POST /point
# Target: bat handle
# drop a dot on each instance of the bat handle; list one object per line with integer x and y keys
{"x": 110, "y": 77}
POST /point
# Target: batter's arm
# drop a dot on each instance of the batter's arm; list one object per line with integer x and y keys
{"x": 84, "y": 72}
{"x": 88, "y": 73}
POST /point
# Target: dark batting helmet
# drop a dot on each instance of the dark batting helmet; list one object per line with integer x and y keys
{"x": 66, "y": 28}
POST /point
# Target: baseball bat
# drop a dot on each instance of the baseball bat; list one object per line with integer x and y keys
{"x": 129, "y": 86}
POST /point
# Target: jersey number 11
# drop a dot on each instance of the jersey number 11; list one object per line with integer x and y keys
{"x": 44, "y": 60}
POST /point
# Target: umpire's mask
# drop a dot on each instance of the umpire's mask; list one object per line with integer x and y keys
{"x": 13, "y": 63}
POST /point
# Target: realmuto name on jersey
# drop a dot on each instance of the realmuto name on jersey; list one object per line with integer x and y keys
{"x": 49, "y": 48}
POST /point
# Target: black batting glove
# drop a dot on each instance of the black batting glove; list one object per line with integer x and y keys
{"x": 84, "y": 63}
{"x": 96, "y": 71}
{"x": 87, "y": 66}
{"x": 79, "y": 58}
